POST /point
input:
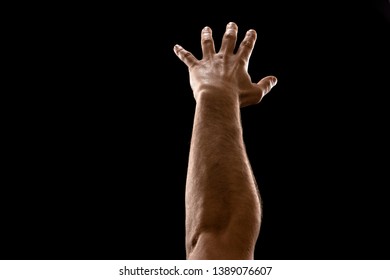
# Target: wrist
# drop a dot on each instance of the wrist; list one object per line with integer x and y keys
{"x": 215, "y": 95}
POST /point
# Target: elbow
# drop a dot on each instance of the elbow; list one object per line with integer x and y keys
{"x": 235, "y": 239}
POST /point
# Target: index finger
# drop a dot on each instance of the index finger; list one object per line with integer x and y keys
{"x": 247, "y": 45}
{"x": 207, "y": 42}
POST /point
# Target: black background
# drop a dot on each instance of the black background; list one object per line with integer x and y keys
{"x": 99, "y": 135}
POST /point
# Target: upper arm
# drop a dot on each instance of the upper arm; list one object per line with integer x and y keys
{"x": 221, "y": 246}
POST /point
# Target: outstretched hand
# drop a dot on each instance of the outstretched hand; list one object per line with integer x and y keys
{"x": 224, "y": 74}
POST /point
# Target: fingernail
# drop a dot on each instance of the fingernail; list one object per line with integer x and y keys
{"x": 274, "y": 81}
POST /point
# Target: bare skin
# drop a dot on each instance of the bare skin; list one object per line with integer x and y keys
{"x": 223, "y": 205}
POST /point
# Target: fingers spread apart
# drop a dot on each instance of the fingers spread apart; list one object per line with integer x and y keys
{"x": 228, "y": 45}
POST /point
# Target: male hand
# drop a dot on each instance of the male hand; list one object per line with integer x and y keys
{"x": 224, "y": 74}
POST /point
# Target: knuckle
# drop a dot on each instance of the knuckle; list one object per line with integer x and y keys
{"x": 186, "y": 54}
{"x": 230, "y": 34}
{"x": 207, "y": 40}
{"x": 247, "y": 43}
{"x": 242, "y": 61}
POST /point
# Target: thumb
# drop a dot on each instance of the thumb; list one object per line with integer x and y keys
{"x": 266, "y": 84}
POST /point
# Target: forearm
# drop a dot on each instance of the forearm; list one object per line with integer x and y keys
{"x": 221, "y": 192}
